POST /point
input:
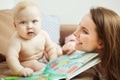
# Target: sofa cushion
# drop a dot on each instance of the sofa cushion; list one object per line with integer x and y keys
{"x": 6, "y": 28}
{"x": 65, "y": 30}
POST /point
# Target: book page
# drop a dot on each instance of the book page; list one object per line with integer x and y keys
{"x": 68, "y": 64}
{"x": 64, "y": 67}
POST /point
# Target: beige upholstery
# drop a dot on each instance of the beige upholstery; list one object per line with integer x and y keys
{"x": 6, "y": 28}
{"x": 65, "y": 30}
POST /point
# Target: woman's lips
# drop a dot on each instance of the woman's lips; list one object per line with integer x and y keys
{"x": 78, "y": 42}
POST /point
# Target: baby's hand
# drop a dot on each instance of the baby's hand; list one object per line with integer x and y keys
{"x": 26, "y": 72}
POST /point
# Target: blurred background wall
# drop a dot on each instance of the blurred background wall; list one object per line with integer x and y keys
{"x": 69, "y": 11}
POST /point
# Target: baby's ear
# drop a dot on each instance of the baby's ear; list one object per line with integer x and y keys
{"x": 14, "y": 24}
{"x": 100, "y": 44}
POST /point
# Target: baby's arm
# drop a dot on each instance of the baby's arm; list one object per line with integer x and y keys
{"x": 59, "y": 50}
{"x": 52, "y": 48}
{"x": 12, "y": 58}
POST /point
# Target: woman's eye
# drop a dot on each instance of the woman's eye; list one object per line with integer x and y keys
{"x": 34, "y": 21}
{"x": 84, "y": 31}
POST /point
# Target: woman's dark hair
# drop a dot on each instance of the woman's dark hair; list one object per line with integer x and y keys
{"x": 108, "y": 30}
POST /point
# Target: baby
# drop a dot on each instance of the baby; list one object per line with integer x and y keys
{"x": 28, "y": 44}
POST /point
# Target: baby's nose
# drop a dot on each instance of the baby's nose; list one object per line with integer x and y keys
{"x": 29, "y": 25}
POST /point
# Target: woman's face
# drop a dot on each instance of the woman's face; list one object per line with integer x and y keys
{"x": 86, "y": 35}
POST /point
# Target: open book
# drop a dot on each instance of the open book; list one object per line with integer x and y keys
{"x": 64, "y": 67}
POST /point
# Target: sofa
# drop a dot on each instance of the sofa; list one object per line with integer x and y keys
{"x": 7, "y": 29}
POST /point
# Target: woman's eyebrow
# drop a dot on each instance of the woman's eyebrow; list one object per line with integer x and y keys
{"x": 84, "y": 28}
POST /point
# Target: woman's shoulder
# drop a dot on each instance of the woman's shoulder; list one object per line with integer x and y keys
{"x": 99, "y": 74}
{"x": 90, "y": 74}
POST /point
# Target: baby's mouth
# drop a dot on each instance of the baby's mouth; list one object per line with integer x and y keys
{"x": 30, "y": 33}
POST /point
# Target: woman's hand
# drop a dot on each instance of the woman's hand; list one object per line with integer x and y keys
{"x": 68, "y": 48}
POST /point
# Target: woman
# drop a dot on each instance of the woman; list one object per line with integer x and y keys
{"x": 99, "y": 31}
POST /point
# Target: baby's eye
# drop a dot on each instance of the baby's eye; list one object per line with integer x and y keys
{"x": 34, "y": 21}
{"x": 22, "y": 22}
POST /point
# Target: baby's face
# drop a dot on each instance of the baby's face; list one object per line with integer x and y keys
{"x": 28, "y": 22}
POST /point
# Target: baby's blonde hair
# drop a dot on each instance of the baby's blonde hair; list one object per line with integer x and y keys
{"x": 22, "y": 5}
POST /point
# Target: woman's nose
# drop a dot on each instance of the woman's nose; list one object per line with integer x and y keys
{"x": 75, "y": 33}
